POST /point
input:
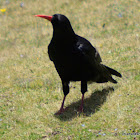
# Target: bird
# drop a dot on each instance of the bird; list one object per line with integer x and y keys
{"x": 75, "y": 58}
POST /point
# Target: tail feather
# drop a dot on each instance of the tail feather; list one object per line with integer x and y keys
{"x": 106, "y": 74}
{"x": 113, "y": 81}
{"x": 114, "y": 72}
{"x": 104, "y": 80}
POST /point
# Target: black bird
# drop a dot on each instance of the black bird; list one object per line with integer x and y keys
{"x": 74, "y": 57}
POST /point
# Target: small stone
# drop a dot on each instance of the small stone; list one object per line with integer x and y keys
{"x": 119, "y": 15}
{"x": 83, "y": 125}
{"x": 22, "y": 4}
{"x": 21, "y": 55}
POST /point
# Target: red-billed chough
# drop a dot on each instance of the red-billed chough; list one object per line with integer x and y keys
{"x": 74, "y": 57}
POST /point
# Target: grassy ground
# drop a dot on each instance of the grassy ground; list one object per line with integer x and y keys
{"x": 30, "y": 88}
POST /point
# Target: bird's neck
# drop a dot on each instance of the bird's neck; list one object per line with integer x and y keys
{"x": 64, "y": 36}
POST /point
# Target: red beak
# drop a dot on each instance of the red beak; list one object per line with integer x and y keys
{"x": 44, "y": 16}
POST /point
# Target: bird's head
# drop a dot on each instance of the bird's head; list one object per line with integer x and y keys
{"x": 61, "y": 23}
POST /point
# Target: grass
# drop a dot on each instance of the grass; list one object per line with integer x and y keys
{"x": 30, "y": 88}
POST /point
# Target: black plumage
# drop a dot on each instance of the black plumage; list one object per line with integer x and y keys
{"x": 74, "y": 57}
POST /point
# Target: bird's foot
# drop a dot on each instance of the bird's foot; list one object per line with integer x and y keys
{"x": 60, "y": 111}
{"x": 80, "y": 110}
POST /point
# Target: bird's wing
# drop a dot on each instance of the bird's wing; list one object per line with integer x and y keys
{"x": 90, "y": 56}
{"x": 84, "y": 47}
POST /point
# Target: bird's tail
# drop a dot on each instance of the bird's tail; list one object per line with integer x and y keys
{"x": 106, "y": 73}
{"x": 114, "y": 72}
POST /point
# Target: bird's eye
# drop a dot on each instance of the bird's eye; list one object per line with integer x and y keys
{"x": 55, "y": 20}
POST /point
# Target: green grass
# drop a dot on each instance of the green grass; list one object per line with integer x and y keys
{"x": 30, "y": 88}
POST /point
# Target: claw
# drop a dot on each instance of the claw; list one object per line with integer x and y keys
{"x": 62, "y": 107}
{"x": 60, "y": 111}
{"x": 80, "y": 110}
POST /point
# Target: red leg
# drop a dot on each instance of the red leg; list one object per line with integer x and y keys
{"x": 62, "y": 107}
{"x": 83, "y": 90}
{"x": 82, "y": 103}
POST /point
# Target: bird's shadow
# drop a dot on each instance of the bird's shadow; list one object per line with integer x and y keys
{"x": 91, "y": 105}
